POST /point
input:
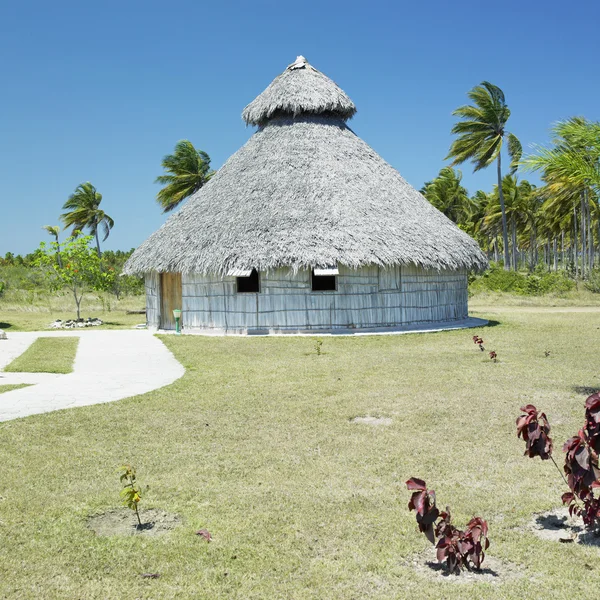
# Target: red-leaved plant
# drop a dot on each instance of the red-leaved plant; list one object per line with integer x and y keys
{"x": 534, "y": 428}
{"x": 459, "y": 549}
{"x": 479, "y": 342}
{"x": 581, "y": 457}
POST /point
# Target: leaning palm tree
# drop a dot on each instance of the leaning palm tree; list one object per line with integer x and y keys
{"x": 84, "y": 212}
{"x": 54, "y": 230}
{"x": 187, "y": 170}
{"x": 481, "y": 134}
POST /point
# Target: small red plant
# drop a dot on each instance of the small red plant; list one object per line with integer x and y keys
{"x": 534, "y": 428}
{"x": 423, "y": 503}
{"x": 493, "y": 356}
{"x": 459, "y": 549}
{"x": 479, "y": 342}
{"x": 581, "y": 457}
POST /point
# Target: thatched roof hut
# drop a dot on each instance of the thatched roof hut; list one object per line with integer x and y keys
{"x": 304, "y": 192}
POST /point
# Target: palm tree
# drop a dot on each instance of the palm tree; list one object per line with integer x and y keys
{"x": 447, "y": 194}
{"x": 481, "y": 136}
{"x": 571, "y": 171}
{"x": 54, "y": 230}
{"x": 84, "y": 211}
{"x": 517, "y": 210}
{"x": 188, "y": 170}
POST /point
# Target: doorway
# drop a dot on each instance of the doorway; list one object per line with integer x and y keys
{"x": 170, "y": 298}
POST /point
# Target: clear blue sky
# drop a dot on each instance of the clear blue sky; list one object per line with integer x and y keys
{"x": 100, "y": 91}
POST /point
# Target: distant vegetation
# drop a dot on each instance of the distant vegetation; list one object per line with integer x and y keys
{"x": 554, "y": 227}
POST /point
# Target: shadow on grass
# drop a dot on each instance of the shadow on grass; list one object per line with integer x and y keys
{"x": 5, "y": 325}
{"x": 443, "y": 570}
{"x": 586, "y": 391}
{"x": 492, "y": 323}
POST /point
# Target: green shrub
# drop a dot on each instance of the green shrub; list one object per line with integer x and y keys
{"x": 496, "y": 279}
{"x": 592, "y": 283}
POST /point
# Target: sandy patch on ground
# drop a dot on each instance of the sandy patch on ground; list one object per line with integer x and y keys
{"x": 124, "y": 522}
{"x": 493, "y": 570}
{"x": 558, "y": 526}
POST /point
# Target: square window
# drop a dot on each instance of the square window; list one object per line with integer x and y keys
{"x": 324, "y": 280}
{"x": 249, "y": 284}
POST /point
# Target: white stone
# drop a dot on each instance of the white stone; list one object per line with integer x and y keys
{"x": 3, "y": 335}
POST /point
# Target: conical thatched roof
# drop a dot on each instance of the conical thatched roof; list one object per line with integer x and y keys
{"x": 300, "y": 89}
{"x": 304, "y": 192}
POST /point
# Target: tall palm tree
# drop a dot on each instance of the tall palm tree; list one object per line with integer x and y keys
{"x": 84, "y": 211}
{"x": 448, "y": 195}
{"x": 187, "y": 170}
{"x": 481, "y": 134}
{"x": 54, "y": 230}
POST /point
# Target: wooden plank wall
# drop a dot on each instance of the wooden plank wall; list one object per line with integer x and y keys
{"x": 152, "y": 299}
{"x": 366, "y": 297}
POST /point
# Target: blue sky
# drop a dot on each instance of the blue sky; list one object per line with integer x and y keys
{"x": 100, "y": 91}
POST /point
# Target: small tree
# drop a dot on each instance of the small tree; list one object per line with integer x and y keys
{"x": 78, "y": 269}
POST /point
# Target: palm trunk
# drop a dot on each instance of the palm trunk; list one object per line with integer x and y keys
{"x": 554, "y": 254}
{"x": 504, "y": 227}
{"x": 58, "y": 257}
{"x": 98, "y": 243}
{"x": 514, "y": 244}
{"x": 590, "y": 235}
{"x": 574, "y": 242}
{"x": 583, "y": 236}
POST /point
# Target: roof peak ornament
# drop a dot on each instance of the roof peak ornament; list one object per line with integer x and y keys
{"x": 299, "y": 63}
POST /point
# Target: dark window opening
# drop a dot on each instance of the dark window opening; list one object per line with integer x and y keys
{"x": 324, "y": 283}
{"x": 246, "y": 285}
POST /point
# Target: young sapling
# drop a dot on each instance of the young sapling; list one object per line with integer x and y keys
{"x": 131, "y": 492}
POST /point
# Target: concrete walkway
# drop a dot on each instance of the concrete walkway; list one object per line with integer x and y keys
{"x": 109, "y": 366}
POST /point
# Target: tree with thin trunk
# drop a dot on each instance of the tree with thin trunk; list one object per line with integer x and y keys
{"x": 78, "y": 270}
{"x": 54, "y": 231}
{"x": 187, "y": 170}
{"x": 481, "y": 134}
{"x": 84, "y": 212}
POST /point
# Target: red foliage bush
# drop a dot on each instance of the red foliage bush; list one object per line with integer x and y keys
{"x": 460, "y": 549}
{"x": 581, "y": 457}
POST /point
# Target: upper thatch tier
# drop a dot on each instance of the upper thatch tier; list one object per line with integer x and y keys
{"x": 300, "y": 89}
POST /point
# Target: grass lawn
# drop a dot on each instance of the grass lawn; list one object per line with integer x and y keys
{"x": 9, "y": 387}
{"x": 255, "y": 444}
{"x": 46, "y": 355}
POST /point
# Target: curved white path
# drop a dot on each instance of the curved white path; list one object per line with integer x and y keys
{"x": 109, "y": 366}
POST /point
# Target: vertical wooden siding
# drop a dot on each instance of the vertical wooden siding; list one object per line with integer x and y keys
{"x": 152, "y": 299}
{"x": 366, "y": 297}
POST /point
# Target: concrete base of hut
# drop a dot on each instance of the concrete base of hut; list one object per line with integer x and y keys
{"x": 467, "y": 323}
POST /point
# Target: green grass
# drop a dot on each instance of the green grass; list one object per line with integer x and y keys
{"x": 9, "y": 387}
{"x": 46, "y": 355}
{"x": 255, "y": 444}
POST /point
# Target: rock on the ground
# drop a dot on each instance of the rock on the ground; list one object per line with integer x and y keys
{"x": 73, "y": 323}
{"x": 2, "y": 335}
